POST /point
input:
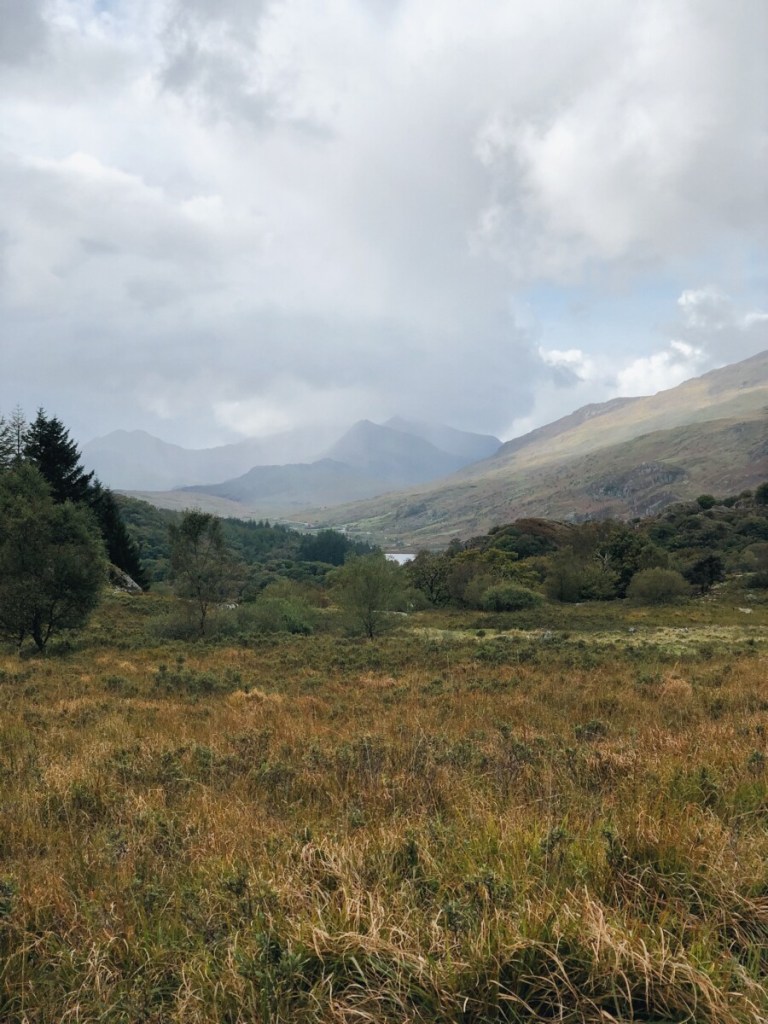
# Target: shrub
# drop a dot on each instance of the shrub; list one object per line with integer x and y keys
{"x": 657, "y": 586}
{"x": 507, "y": 597}
{"x": 282, "y": 615}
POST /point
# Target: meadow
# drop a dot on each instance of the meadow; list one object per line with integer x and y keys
{"x": 560, "y": 815}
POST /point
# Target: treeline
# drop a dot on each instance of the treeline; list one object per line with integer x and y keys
{"x": 686, "y": 549}
{"x": 270, "y": 552}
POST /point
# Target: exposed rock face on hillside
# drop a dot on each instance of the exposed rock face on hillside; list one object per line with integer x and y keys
{"x": 644, "y": 489}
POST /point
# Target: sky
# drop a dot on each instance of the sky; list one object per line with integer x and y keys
{"x": 231, "y": 218}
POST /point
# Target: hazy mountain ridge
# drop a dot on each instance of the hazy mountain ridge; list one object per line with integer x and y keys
{"x": 368, "y": 459}
{"x": 293, "y": 486}
{"x": 135, "y": 460}
{"x": 465, "y": 444}
{"x": 393, "y": 456}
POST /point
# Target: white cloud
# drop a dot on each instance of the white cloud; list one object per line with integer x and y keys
{"x": 660, "y": 371}
{"x": 202, "y": 200}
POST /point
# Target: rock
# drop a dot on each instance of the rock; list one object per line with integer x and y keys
{"x": 122, "y": 581}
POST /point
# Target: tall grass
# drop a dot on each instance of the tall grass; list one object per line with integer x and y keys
{"x": 430, "y": 827}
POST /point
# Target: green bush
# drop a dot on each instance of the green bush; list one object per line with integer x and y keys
{"x": 507, "y": 597}
{"x": 657, "y": 586}
{"x": 282, "y": 615}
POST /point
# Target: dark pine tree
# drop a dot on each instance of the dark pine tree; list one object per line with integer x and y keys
{"x": 48, "y": 446}
{"x": 121, "y": 548}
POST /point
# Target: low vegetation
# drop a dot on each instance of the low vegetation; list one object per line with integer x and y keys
{"x": 524, "y": 779}
{"x": 456, "y": 822}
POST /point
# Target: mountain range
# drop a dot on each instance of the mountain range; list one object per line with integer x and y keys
{"x": 369, "y": 459}
{"x": 406, "y": 483}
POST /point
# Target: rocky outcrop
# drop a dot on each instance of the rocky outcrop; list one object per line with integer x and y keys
{"x": 122, "y": 581}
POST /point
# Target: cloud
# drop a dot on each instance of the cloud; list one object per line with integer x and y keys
{"x": 712, "y": 320}
{"x": 661, "y": 370}
{"x": 217, "y": 217}
{"x": 649, "y": 154}
{"x": 24, "y": 30}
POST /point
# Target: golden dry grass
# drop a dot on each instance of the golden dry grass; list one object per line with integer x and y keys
{"x": 418, "y": 829}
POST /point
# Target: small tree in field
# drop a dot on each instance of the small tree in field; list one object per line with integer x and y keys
{"x": 202, "y": 568}
{"x": 369, "y": 586}
{"x": 52, "y": 564}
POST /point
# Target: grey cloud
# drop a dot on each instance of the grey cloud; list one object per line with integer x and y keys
{"x": 647, "y": 153}
{"x": 323, "y": 210}
{"x": 23, "y": 30}
{"x": 212, "y": 58}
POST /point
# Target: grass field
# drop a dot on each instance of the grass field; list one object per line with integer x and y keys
{"x": 474, "y": 819}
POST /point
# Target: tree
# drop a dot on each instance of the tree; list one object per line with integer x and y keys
{"x": 428, "y": 573}
{"x": 52, "y": 564}
{"x": 47, "y": 444}
{"x": 705, "y": 571}
{"x": 369, "y": 586}
{"x": 761, "y": 494}
{"x": 202, "y": 569}
{"x": 328, "y": 546}
{"x": 563, "y": 581}
{"x": 509, "y": 597}
{"x": 6, "y": 444}
{"x": 121, "y": 549}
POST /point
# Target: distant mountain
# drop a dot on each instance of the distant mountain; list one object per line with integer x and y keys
{"x": 369, "y": 459}
{"x": 625, "y": 458}
{"x": 133, "y": 460}
{"x": 469, "y": 447}
{"x": 393, "y": 457}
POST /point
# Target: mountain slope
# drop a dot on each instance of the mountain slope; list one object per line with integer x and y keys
{"x": 740, "y": 389}
{"x": 391, "y": 456}
{"x": 467, "y": 446}
{"x": 627, "y": 458}
{"x": 283, "y": 488}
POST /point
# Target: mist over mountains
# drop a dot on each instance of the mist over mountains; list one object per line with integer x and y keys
{"x": 288, "y": 471}
{"x": 408, "y": 482}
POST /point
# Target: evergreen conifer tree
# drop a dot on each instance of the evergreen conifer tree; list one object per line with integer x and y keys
{"x": 121, "y": 548}
{"x": 48, "y": 446}
{"x": 6, "y": 444}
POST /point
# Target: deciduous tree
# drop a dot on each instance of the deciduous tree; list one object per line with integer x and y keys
{"x": 369, "y": 586}
{"x": 52, "y": 564}
{"x": 203, "y": 571}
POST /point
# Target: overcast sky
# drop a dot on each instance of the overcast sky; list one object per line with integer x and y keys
{"x": 222, "y": 218}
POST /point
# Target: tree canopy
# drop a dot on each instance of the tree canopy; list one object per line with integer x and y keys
{"x": 52, "y": 564}
{"x": 203, "y": 570}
